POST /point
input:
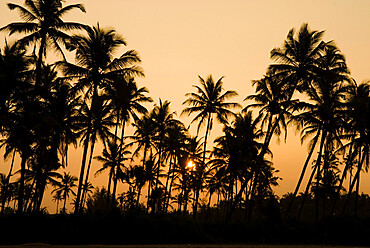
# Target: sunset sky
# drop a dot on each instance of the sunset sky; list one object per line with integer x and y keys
{"x": 181, "y": 39}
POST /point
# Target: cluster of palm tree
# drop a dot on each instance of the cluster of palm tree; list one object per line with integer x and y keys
{"x": 47, "y": 107}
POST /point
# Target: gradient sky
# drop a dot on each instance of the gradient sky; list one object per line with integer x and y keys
{"x": 181, "y": 39}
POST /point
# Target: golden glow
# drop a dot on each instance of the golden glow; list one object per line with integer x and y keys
{"x": 190, "y": 165}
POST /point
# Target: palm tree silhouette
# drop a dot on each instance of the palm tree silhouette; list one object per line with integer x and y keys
{"x": 65, "y": 187}
{"x": 113, "y": 158}
{"x": 321, "y": 116}
{"x": 163, "y": 120}
{"x": 43, "y": 25}
{"x": 296, "y": 61}
{"x": 101, "y": 121}
{"x": 357, "y": 131}
{"x": 57, "y": 197}
{"x": 175, "y": 142}
{"x": 208, "y": 100}
{"x": 127, "y": 100}
{"x": 95, "y": 69}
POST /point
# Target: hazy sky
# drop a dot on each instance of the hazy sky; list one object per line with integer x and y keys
{"x": 181, "y": 39}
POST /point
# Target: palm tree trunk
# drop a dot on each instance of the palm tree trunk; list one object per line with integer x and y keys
{"x": 200, "y": 173}
{"x": 302, "y": 174}
{"x": 251, "y": 199}
{"x": 84, "y": 188}
{"x": 344, "y": 174}
{"x": 21, "y": 185}
{"x": 115, "y": 179}
{"x": 41, "y": 196}
{"x": 56, "y": 211}
{"x": 6, "y": 188}
{"x": 138, "y": 196}
{"x": 168, "y": 191}
{"x": 356, "y": 178}
{"x": 318, "y": 175}
{"x": 39, "y": 59}
{"x": 109, "y": 185}
{"x": 306, "y": 192}
{"x": 317, "y": 169}
{"x": 82, "y": 171}
{"x": 65, "y": 201}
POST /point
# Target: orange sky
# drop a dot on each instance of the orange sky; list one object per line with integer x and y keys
{"x": 179, "y": 40}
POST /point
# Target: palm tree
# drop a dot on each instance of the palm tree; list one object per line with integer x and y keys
{"x": 65, "y": 187}
{"x": 88, "y": 189}
{"x": 43, "y": 25}
{"x": 42, "y": 173}
{"x": 275, "y": 107}
{"x": 357, "y": 132}
{"x": 57, "y": 197}
{"x": 101, "y": 121}
{"x": 143, "y": 136}
{"x": 20, "y": 135}
{"x": 236, "y": 156}
{"x": 175, "y": 142}
{"x": 163, "y": 120}
{"x": 296, "y": 61}
{"x": 95, "y": 69}
{"x": 14, "y": 70}
{"x": 112, "y": 158}
{"x": 298, "y": 66}
{"x": 208, "y": 100}
{"x": 322, "y": 115}
{"x": 127, "y": 100}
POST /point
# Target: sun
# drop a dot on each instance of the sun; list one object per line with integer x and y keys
{"x": 190, "y": 165}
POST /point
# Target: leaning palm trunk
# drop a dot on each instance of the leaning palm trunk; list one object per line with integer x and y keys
{"x": 84, "y": 188}
{"x": 355, "y": 179}
{"x": 302, "y": 174}
{"x": 82, "y": 172}
{"x": 317, "y": 170}
{"x": 6, "y": 188}
{"x": 344, "y": 174}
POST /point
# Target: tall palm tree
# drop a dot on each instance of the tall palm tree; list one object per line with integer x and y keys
{"x": 65, "y": 187}
{"x": 43, "y": 25}
{"x": 95, "y": 68}
{"x": 101, "y": 121}
{"x": 127, "y": 100}
{"x": 275, "y": 106}
{"x": 236, "y": 155}
{"x": 113, "y": 158}
{"x": 321, "y": 116}
{"x": 209, "y": 100}
{"x": 357, "y": 132}
{"x": 296, "y": 60}
{"x": 175, "y": 142}
{"x": 163, "y": 120}
{"x": 57, "y": 197}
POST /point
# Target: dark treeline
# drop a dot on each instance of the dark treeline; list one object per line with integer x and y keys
{"x": 46, "y": 108}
